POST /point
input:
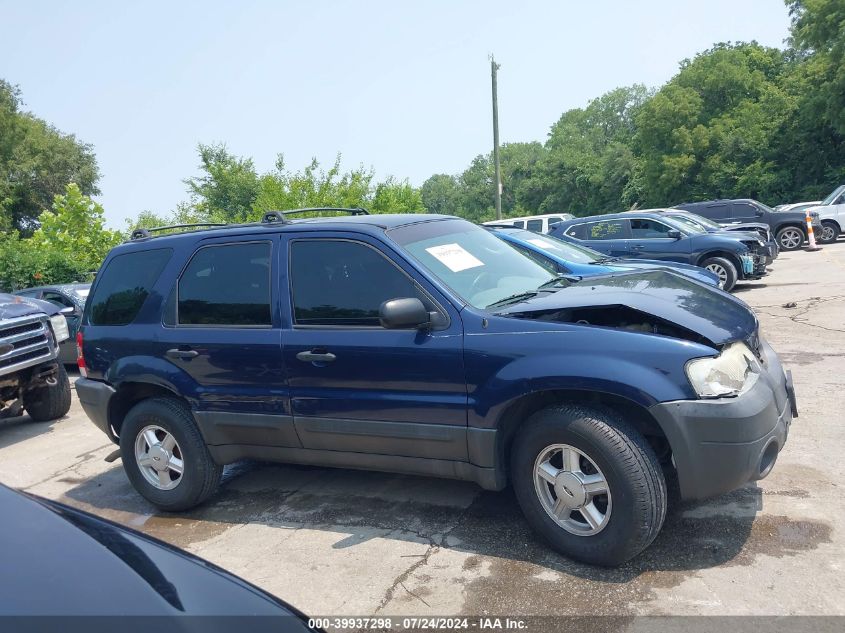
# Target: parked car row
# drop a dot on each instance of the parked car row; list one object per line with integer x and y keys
{"x": 661, "y": 235}
{"x": 426, "y": 344}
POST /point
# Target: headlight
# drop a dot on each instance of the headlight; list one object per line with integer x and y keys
{"x": 60, "y": 330}
{"x": 730, "y": 373}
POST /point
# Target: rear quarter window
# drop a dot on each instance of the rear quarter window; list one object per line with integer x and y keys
{"x": 125, "y": 284}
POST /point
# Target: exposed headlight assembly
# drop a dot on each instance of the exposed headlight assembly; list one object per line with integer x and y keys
{"x": 60, "y": 331}
{"x": 730, "y": 373}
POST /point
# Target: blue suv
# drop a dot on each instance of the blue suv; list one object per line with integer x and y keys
{"x": 423, "y": 344}
{"x": 655, "y": 235}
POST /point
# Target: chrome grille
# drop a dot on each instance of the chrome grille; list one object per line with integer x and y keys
{"x": 24, "y": 342}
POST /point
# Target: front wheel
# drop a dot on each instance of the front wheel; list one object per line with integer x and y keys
{"x": 51, "y": 401}
{"x": 790, "y": 238}
{"x": 829, "y": 232}
{"x": 165, "y": 457}
{"x": 724, "y": 270}
{"x": 588, "y": 483}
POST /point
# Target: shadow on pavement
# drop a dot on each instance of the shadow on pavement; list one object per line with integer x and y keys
{"x": 447, "y": 514}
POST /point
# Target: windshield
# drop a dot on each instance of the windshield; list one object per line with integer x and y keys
{"x": 833, "y": 196}
{"x": 706, "y": 223}
{"x": 473, "y": 262}
{"x": 691, "y": 225}
{"x": 682, "y": 224}
{"x": 564, "y": 250}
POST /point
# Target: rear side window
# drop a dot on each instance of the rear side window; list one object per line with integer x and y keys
{"x": 605, "y": 230}
{"x": 534, "y": 225}
{"x": 125, "y": 284}
{"x": 335, "y": 282}
{"x": 227, "y": 284}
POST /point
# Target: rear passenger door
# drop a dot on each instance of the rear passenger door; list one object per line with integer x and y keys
{"x": 356, "y": 386}
{"x": 221, "y": 334}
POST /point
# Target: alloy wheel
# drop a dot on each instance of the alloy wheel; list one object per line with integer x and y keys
{"x": 159, "y": 457}
{"x": 791, "y": 238}
{"x": 827, "y": 233}
{"x": 720, "y": 272}
{"x": 572, "y": 489}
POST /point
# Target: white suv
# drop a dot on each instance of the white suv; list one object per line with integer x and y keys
{"x": 831, "y": 212}
{"x": 536, "y": 223}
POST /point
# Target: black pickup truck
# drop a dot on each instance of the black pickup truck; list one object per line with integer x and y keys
{"x": 31, "y": 378}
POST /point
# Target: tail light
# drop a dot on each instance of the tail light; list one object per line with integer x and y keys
{"x": 80, "y": 359}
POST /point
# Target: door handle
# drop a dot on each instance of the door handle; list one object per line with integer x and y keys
{"x": 638, "y": 247}
{"x": 313, "y": 356}
{"x": 181, "y": 353}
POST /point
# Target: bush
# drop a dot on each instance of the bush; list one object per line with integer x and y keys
{"x": 23, "y": 265}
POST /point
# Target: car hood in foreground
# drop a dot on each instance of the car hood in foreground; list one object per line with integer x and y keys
{"x": 653, "y": 301}
{"x": 13, "y": 306}
{"x": 64, "y": 562}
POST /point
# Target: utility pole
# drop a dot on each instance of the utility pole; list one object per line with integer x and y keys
{"x": 494, "y": 67}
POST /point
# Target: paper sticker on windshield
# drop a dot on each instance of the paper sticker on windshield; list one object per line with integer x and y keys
{"x": 544, "y": 244}
{"x": 454, "y": 257}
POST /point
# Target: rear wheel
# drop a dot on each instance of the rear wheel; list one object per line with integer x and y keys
{"x": 165, "y": 457}
{"x": 724, "y": 269}
{"x": 51, "y": 401}
{"x": 829, "y": 232}
{"x": 790, "y": 238}
{"x": 588, "y": 483}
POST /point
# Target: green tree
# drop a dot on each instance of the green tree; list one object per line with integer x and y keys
{"x": 36, "y": 162}
{"x": 441, "y": 194}
{"x": 75, "y": 228}
{"x": 228, "y": 187}
{"x": 395, "y": 196}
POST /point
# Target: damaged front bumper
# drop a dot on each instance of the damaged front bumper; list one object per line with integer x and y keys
{"x": 720, "y": 444}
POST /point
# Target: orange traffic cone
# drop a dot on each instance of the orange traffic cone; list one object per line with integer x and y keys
{"x": 811, "y": 238}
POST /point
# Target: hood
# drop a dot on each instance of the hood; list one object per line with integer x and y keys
{"x": 696, "y": 272}
{"x": 13, "y": 306}
{"x": 126, "y": 573}
{"x": 656, "y": 301}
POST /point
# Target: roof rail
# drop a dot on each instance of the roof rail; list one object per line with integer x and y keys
{"x": 141, "y": 233}
{"x": 271, "y": 217}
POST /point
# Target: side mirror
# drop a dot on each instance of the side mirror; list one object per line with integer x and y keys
{"x": 407, "y": 313}
{"x": 69, "y": 312}
{"x": 674, "y": 234}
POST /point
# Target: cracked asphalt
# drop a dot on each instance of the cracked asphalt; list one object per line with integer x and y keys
{"x": 341, "y": 542}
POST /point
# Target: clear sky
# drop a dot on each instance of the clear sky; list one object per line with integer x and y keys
{"x": 398, "y": 86}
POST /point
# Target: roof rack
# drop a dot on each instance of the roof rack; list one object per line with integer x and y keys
{"x": 141, "y": 233}
{"x": 271, "y": 217}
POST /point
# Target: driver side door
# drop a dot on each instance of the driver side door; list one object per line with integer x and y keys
{"x": 354, "y": 385}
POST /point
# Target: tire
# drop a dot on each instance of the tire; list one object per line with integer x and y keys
{"x": 635, "y": 507}
{"x": 200, "y": 475}
{"x": 51, "y": 401}
{"x": 724, "y": 269}
{"x": 790, "y": 238}
{"x": 829, "y": 232}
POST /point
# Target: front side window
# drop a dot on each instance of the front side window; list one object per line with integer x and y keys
{"x": 534, "y": 225}
{"x": 605, "y": 230}
{"x": 646, "y": 229}
{"x": 344, "y": 283}
{"x": 57, "y": 299}
{"x": 125, "y": 284}
{"x": 744, "y": 210}
{"x": 226, "y": 285}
